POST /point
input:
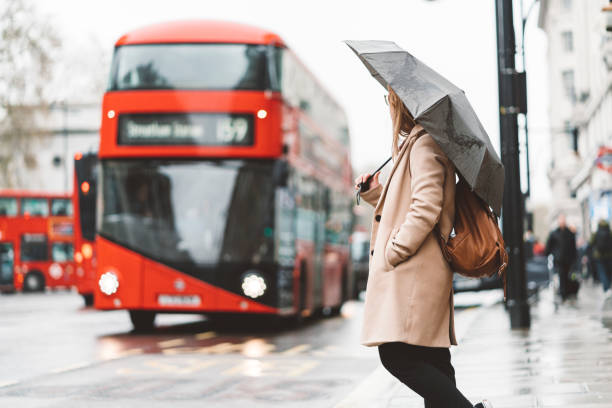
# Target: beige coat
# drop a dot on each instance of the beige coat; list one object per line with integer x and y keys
{"x": 409, "y": 295}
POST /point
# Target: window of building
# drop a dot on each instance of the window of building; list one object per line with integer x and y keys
{"x": 568, "y": 41}
{"x": 567, "y": 4}
{"x": 568, "y": 84}
{"x": 575, "y": 136}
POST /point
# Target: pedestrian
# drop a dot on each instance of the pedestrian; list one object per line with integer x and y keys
{"x": 561, "y": 244}
{"x": 601, "y": 244}
{"x": 408, "y": 311}
{"x": 590, "y": 262}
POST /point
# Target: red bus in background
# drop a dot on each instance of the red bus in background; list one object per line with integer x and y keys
{"x": 225, "y": 181}
{"x": 84, "y": 204}
{"x": 36, "y": 233}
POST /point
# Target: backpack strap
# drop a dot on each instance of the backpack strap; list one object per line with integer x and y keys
{"x": 437, "y": 232}
{"x": 415, "y": 137}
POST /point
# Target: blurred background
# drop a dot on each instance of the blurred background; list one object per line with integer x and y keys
{"x": 177, "y": 181}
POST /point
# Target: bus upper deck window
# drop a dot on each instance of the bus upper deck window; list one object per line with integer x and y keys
{"x": 35, "y": 207}
{"x": 8, "y": 207}
{"x": 61, "y": 207}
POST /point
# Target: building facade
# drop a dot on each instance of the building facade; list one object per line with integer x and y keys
{"x": 580, "y": 109}
{"x": 67, "y": 129}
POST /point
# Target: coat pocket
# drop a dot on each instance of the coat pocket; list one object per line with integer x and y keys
{"x": 392, "y": 257}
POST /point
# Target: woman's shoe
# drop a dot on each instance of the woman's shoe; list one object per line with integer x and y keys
{"x": 484, "y": 404}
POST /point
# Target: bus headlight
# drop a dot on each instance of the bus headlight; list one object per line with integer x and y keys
{"x": 56, "y": 271}
{"x": 87, "y": 250}
{"x": 253, "y": 285}
{"x": 108, "y": 283}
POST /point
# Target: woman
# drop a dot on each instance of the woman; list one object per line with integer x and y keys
{"x": 408, "y": 310}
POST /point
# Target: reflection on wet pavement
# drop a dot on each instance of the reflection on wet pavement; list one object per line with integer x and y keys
{"x": 564, "y": 360}
{"x": 70, "y": 357}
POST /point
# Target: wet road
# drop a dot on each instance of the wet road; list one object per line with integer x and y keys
{"x": 57, "y": 353}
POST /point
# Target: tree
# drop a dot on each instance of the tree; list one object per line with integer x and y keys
{"x": 26, "y": 63}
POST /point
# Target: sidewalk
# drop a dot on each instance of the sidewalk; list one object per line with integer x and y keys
{"x": 564, "y": 360}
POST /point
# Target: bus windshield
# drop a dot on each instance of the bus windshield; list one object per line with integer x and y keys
{"x": 189, "y": 212}
{"x": 190, "y": 66}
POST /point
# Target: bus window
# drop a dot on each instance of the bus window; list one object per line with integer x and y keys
{"x": 190, "y": 66}
{"x": 36, "y": 207}
{"x": 34, "y": 247}
{"x": 61, "y": 252}
{"x": 61, "y": 206}
{"x": 7, "y": 257}
{"x": 8, "y": 207}
{"x": 189, "y": 211}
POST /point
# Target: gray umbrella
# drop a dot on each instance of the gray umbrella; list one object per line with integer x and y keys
{"x": 443, "y": 110}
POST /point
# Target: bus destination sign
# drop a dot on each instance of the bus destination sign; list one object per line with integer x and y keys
{"x": 192, "y": 129}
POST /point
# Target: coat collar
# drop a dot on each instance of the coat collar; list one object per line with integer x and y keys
{"x": 402, "y": 149}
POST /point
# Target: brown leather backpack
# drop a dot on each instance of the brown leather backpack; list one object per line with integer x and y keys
{"x": 477, "y": 249}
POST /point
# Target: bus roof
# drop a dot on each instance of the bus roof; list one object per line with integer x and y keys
{"x": 194, "y": 31}
{"x": 6, "y": 193}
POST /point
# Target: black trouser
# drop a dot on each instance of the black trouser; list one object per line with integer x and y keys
{"x": 563, "y": 269}
{"x": 426, "y": 370}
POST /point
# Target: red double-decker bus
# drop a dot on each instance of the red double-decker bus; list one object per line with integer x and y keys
{"x": 225, "y": 181}
{"x": 36, "y": 234}
{"x": 84, "y": 204}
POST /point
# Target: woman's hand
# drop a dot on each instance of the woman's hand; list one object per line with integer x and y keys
{"x": 373, "y": 182}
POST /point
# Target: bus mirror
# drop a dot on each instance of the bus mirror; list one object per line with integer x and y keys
{"x": 281, "y": 173}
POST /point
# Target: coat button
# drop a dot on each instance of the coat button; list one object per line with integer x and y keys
{"x": 372, "y": 252}
{"x": 377, "y": 218}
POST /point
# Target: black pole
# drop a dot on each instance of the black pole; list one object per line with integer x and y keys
{"x": 513, "y": 205}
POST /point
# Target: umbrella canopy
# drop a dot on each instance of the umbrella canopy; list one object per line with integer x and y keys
{"x": 443, "y": 110}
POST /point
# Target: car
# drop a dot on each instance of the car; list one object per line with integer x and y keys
{"x": 537, "y": 277}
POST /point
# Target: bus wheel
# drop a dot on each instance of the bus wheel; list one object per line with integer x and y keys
{"x": 34, "y": 281}
{"x": 88, "y": 299}
{"x": 335, "y": 310}
{"x": 344, "y": 283}
{"x": 142, "y": 320}
{"x": 297, "y": 319}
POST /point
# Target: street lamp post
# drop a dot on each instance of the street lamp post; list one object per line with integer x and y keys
{"x": 524, "y": 18}
{"x": 512, "y": 101}
{"x": 65, "y": 133}
{"x": 63, "y": 106}
{"x": 513, "y": 205}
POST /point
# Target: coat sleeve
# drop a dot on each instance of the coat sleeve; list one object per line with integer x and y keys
{"x": 372, "y": 195}
{"x": 428, "y": 167}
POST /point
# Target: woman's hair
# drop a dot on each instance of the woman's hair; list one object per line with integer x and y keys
{"x": 401, "y": 119}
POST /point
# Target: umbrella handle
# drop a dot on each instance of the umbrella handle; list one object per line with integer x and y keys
{"x": 365, "y": 185}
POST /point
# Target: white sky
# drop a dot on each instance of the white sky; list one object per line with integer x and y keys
{"x": 457, "y": 38}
